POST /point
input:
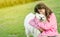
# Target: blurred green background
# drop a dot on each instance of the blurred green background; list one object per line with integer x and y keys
{"x": 12, "y": 15}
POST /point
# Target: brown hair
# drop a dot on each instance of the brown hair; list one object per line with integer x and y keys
{"x": 43, "y": 6}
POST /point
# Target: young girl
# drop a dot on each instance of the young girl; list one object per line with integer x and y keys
{"x": 47, "y": 28}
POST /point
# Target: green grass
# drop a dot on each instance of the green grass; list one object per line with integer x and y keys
{"x": 12, "y": 18}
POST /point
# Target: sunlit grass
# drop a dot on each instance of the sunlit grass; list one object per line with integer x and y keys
{"x": 8, "y": 3}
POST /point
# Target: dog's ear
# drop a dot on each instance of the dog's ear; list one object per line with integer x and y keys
{"x": 36, "y": 14}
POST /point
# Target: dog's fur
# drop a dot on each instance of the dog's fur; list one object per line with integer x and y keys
{"x": 41, "y": 17}
{"x": 28, "y": 28}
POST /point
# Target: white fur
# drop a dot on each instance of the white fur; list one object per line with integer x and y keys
{"x": 39, "y": 16}
{"x": 28, "y": 28}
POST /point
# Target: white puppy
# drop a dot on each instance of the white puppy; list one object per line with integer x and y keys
{"x": 28, "y": 28}
{"x": 41, "y": 17}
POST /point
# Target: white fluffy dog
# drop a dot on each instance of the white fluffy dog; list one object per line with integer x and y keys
{"x": 30, "y": 29}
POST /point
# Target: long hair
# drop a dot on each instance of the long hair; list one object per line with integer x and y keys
{"x": 43, "y": 6}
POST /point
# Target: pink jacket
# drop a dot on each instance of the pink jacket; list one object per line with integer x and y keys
{"x": 50, "y": 27}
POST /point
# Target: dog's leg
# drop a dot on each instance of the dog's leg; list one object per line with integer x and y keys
{"x": 36, "y": 32}
{"x": 27, "y": 32}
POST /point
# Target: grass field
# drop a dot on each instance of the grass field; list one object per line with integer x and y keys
{"x": 12, "y": 18}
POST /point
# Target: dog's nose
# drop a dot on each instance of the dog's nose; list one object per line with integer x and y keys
{"x": 41, "y": 19}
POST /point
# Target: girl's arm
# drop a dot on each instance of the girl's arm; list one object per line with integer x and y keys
{"x": 34, "y": 24}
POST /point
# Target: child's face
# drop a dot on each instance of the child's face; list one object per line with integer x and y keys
{"x": 41, "y": 11}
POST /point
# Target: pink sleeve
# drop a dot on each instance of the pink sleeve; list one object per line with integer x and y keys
{"x": 33, "y": 23}
{"x": 48, "y": 25}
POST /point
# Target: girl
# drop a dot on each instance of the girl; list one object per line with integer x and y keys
{"x": 47, "y": 28}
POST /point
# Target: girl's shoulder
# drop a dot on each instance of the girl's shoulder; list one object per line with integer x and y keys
{"x": 52, "y": 15}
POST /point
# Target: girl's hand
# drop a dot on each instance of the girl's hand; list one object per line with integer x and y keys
{"x": 41, "y": 30}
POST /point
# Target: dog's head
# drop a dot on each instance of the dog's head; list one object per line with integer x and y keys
{"x": 40, "y": 16}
